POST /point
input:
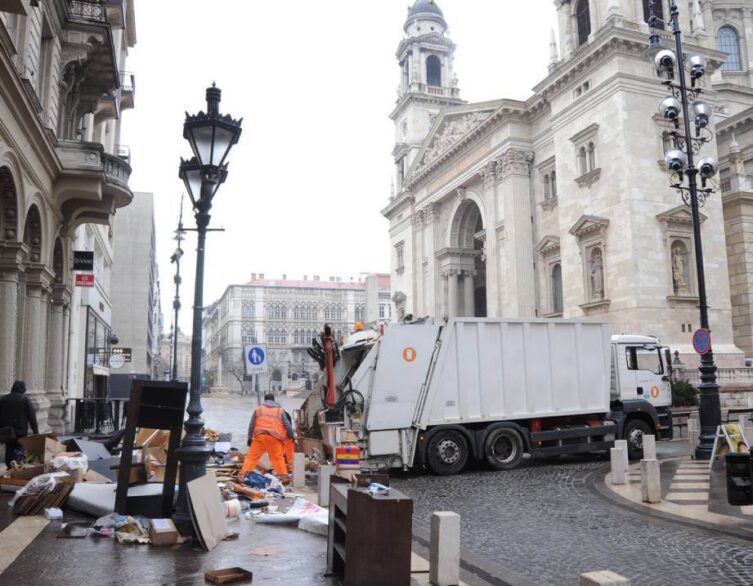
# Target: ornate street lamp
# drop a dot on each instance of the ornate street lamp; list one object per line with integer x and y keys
{"x": 682, "y": 103}
{"x": 211, "y": 136}
{"x": 175, "y": 258}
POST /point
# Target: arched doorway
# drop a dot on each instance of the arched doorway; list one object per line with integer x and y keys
{"x": 9, "y": 278}
{"x": 468, "y": 260}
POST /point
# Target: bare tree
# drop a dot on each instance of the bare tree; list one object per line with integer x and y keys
{"x": 236, "y": 368}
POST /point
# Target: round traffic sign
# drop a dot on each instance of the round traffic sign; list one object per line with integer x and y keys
{"x": 702, "y": 341}
{"x": 116, "y": 361}
{"x": 256, "y": 355}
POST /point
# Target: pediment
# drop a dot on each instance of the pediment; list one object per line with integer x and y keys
{"x": 449, "y": 128}
{"x": 679, "y": 215}
{"x": 548, "y": 244}
{"x": 588, "y": 225}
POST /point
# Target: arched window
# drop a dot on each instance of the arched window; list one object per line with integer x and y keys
{"x": 557, "y": 288}
{"x": 582, "y": 160}
{"x": 433, "y": 71}
{"x": 283, "y": 337}
{"x": 583, "y": 18}
{"x": 553, "y": 179}
{"x": 727, "y": 42}
{"x": 247, "y": 311}
{"x": 658, "y": 13}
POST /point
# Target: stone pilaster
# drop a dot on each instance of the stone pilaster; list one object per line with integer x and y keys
{"x": 432, "y": 305}
{"x": 513, "y": 174}
{"x": 469, "y": 294}
{"x": 10, "y": 269}
{"x": 35, "y": 341}
{"x": 419, "y": 306}
{"x": 491, "y": 249}
{"x": 55, "y": 391}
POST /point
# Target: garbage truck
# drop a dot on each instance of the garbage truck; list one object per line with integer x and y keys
{"x": 438, "y": 394}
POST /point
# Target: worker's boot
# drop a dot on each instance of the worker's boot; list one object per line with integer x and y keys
{"x": 285, "y": 479}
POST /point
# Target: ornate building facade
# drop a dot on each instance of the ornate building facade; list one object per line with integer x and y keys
{"x": 559, "y": 205}
{"x": 62, "y": 91}
{"x": 285, "y": 315}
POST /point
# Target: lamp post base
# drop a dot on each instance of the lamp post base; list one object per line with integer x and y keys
{"x": 193, "y": 456}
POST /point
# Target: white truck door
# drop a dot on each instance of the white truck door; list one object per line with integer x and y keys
{"x": 645, "y": 370}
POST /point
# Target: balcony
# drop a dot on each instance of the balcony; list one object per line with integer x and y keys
{"x": 124, "y": 152}
{"x": 127, "y": 89}
{"x": 92, "y": 183}
{"x": 93, "y": 10}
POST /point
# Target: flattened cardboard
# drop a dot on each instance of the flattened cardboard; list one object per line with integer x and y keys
{"x": 208, "y": 511}
{"x": 96, "y": 478}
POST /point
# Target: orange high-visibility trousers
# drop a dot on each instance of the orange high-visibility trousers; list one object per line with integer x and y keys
{"x": 289, "y": 447}
{"x": 265, "y": 443}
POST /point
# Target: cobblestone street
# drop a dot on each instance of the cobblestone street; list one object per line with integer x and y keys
{"x": 545, "y": 522}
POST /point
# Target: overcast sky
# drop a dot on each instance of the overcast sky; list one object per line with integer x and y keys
{"x": 314, "y": 82}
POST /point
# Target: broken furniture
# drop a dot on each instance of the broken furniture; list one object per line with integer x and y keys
{"x": 369, "y": 540}
{"x": 155, "y": 405}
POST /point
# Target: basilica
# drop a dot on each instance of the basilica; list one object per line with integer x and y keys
{"x": 559, "y": 206}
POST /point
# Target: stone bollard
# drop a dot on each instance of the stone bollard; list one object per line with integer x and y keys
{"x": 444, "y": 554}
{"x": 650, "y": 481}
{"x": 744, "y": 422}
{"x": 616, "y": 460}
{"x": 694, "y": 435}
{"x": 623, "y": 445}
{"x": 604, "y": 578}
{"x": 649, "y": 447}
{"x": 325, "y": 472}
{"x": 299, "y": 470}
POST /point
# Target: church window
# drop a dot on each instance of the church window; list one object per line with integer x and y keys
{"x": 547, "y": 187}
{"x": 583, "y": 18}
{"x": 556, "y": 284}
{"x": 728, "y": 42}
{"x": 553, "y": 181}
{"x": 433, "y": 71}
{"x": 658, "y": 13}
{"x": 582, "y": 160}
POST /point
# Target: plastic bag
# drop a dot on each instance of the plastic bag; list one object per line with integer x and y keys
{"x": 70, "y": 463}
{"x": 39, "y": 485}
{"x": 256, "y": 480}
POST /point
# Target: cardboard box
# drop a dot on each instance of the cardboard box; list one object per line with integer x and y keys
{"x": 27, "y": 471}
{"x": 138, "y": 474}
{"x": 43, "y": 447}
{"x": 163, "y": 532}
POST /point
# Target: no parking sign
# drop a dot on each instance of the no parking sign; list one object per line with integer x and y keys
{"x": 702, "y": 341}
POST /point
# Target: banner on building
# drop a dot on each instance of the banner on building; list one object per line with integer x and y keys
{"x": 83, "y": 260}
{"x": 84, "y": 280}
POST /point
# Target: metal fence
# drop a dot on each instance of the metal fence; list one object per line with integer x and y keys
{"x": 98, "y": 416}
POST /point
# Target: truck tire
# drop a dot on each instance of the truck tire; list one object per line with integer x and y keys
{"x": 633, "y": 432}
{"x": 447, "y": 452}
{"x": 504, "y": 448}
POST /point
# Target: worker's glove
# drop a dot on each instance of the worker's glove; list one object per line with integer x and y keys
{"x": 248, "y": 443}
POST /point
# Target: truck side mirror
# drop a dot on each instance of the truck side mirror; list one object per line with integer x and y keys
{"x": 668, "y": 361}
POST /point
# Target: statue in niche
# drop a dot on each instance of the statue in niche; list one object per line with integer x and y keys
{"x": 597, "y": 276}
{"x": 678, "y": 271}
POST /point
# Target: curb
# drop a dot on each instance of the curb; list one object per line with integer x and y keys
{"x": 599, "y": 488}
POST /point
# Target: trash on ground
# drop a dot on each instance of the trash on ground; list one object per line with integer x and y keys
{"x": 42, "y": 492}
{"x": 76, "y": 529}
{"x": 228, "y": 575}
{"x": 207, "y": 510}
{"x": 53, "y": 514}
{"x": 163, "y": 532}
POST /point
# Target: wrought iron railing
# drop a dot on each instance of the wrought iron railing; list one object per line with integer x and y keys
{"x": 97, "y": 416}
{"x": 88, "y": 9}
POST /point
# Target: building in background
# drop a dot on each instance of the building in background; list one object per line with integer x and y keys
{"x": 559, "y": 205}
{"x": 63, "y": 88}
{"x": 136, "y": 315}
{"x": 285, "y": 315}
{"x": 183, "y": 356}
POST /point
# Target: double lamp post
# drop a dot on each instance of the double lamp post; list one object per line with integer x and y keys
{"x": 683, "y": 103}
{"x": 211, "y": 136}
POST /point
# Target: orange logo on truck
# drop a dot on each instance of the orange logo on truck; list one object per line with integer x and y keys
{"x": 409, "y": 354}
{"x": 654, "y": 392}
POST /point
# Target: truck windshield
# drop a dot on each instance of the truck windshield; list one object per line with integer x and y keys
{"x": 644, "y": 358}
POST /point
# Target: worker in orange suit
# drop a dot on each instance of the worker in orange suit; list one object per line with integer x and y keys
{"x": 267, "y": 432}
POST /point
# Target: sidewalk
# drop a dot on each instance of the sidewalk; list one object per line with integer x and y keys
{"x": 691, "y": 493}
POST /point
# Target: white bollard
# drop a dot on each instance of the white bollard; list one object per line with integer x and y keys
{"x": 618, "y": 466}
{"x": 605, "y": 578}
{"x": 649, "y": 447}
{"x": 650, "y": 481}
{"x": 694, "y": 434}
{"x": 623, "y": 445}
{"x": 299, "y": 470}
{"x": 325, "y": 472}
{"x": 444, "y": 554}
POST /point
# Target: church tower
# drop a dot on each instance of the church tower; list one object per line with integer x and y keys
{"x": 427, "y": 82}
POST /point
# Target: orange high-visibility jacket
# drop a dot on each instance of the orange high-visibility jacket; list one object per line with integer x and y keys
{"x": 269, "y": 420}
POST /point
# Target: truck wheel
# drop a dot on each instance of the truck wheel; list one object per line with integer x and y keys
{"x": 447, "y": 453}
{"x": 504, "y": 448}
{"x": 633, "y": 432}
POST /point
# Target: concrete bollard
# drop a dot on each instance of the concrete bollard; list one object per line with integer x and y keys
{"x": 444, "y": 554}
{"x": 616, "y": 460}
{"x": 650, "y": 481}
{"x": 299, "y": 470}
{"x": 694, "y": 434}
{"x": 604, "y": 578}
{"x": 649, "y": 447}
{"x": 325, "y": 472}
{"x": 623, "y": 445}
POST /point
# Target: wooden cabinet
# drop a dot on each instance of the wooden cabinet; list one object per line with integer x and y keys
{"x": 369, "y": 540}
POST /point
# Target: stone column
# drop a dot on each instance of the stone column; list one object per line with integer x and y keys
{"x": 432, "y": 299}
{"x": 513, "y": 173}
{"x": 491, "y": 244}
{"x": 468, "y": 294}
{"x": 8, "y": 327}
{"x": 35, "y": 343}
{"x": 452, "y": 293}
{"x": 419, "y": 307}
{"x": 55, "y": 358}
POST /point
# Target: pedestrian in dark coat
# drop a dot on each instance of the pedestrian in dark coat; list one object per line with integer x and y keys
{"x": 16, "y": 416}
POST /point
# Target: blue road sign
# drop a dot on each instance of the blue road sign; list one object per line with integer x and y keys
{"x": 702, "y": 341}
{"x": 256, "y": 359}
